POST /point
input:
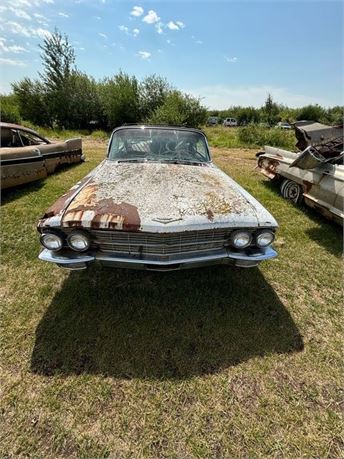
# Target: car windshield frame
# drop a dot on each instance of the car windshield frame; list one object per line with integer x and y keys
{"x": 159, "y": 144}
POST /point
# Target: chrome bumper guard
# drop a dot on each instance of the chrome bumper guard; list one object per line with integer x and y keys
{"x": 77, "y": 261}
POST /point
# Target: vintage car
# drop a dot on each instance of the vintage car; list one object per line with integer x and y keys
{"x": 157, "y": 202}
{"x": 26, "y": 156}
{"x": 315, "y": 175}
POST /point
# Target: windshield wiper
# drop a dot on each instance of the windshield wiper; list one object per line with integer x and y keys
{"x": 131, "y": 160}
{"x": 180, "y": 161}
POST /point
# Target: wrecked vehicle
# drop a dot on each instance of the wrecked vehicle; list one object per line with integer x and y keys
{"x": 315, "y": 175}
{"x": 25, "y": 156}
{"x": 157, "y": 202}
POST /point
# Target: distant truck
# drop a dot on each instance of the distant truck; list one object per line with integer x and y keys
{"x": 213, "y": 121}
{"x": 230, "y": 122}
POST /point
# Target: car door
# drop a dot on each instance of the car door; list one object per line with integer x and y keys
{"x": 51, "y": 152}
{"x": 19, "y": 164}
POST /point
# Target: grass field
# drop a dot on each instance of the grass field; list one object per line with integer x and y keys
{"x": 214, "y": 362}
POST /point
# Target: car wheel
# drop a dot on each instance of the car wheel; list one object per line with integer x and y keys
{"x": 292, "y": 191}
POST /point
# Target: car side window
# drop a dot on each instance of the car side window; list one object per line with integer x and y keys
{"x": 31, "y": 139}
{"x": 10, "y": 138}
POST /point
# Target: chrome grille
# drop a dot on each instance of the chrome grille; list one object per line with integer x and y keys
{"x": 160, "y": 244}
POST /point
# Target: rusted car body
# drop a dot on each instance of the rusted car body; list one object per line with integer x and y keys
{"x": 315, "y": 175}
{"x": 157, "y": 202}
{"x": 25, "y": 156}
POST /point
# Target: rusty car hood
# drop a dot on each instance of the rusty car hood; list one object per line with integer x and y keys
{"x": 157, "y": 197}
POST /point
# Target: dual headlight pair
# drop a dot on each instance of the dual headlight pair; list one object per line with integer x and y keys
{"x": 77, "y": 241}
{"x": 242, "y": 239}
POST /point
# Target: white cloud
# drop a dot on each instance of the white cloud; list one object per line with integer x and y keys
{"x": 135, "y": 32}
{"x": 19, "y": 29}
{"x": 97, "y": 17}
{"x": 64, "y": 15}
{"x": 151, "y": 17}
{"x": 172, "y": 26}
{"x": 159, "y": 27}
{"x": 40, "y": 19}
{"x": 144, "y": 55}
{"x": 5, "y": 48}
{"x": 41, "y": 33}
{"x": 137, "y": 11}
{"x": 221, "y": 97}
{"x": 11, "y": 62}
{"x": 16, "y": 28}
{"x": 20, "y": 13}
{"x": 177, "y": 25}
{"x": 103, "y": 35}
{"x": 232, "y": 60}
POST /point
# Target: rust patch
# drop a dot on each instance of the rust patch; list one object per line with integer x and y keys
{"x": 307, "y": 186}
{"x": 62, "y": 201}
{"x": 105, "y": 213}
{"x": 210, "y": 215}
{"x": 272, "y": 166}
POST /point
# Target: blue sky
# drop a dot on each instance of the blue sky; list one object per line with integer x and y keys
{"x": 227, "y": 52}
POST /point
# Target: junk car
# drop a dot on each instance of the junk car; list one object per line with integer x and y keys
{"x": 157, "y": 202}
{"x": 316, "y": 174}
{"x": 26, "y": 156}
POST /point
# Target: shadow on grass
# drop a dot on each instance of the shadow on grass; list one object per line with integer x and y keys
{"x": 329, "y": 236}
{"x": 11, "y": 194}
{"x": 133, "y": 324}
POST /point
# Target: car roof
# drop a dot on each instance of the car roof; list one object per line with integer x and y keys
{"x": 17, "y": 126}
{"x": 159, "y": 126}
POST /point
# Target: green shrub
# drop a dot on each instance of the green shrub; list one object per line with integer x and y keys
{"x": 179, "y": 109}
{"x": 255, "y": 135}
{"x": 9, "y": 110}
{"x": 99, "y": 135}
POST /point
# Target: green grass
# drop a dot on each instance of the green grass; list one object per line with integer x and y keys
{"x": 214, "y": 362}
{"x": 251, "y": 136}
{"x": 62, "y": 134}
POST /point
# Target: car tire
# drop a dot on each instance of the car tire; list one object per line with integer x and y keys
{"x": 292, "y": 191}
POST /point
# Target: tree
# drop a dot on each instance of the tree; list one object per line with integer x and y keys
{"x": 120, "y": 99}
{"x": 311, "y": 113}
{"x": 32, "y": 101}
{"x": 153, "y": 91}
{"x": 58, "y": 58}
{"x": 9, "y": 109}
{"x": 180, "y": 109}
{"x": 270, "y": 110}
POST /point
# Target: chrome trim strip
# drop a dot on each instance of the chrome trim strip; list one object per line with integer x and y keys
{"x": 75, "y": 258}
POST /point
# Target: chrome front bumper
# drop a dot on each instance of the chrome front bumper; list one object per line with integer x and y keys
{"x": 76, "y": 261}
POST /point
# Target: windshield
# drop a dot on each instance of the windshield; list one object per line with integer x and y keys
{"x": 154, "y": 144}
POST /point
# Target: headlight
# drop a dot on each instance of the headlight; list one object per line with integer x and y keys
{"x": 241, "y": 239}
{"x": 78, "y": 241}
{"x": 51, "y": 241}
{"x": 265, "y": 238}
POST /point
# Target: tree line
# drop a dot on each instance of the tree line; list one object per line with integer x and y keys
{"x": 271, "y": 113}
{"x": 62, "y": 96}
